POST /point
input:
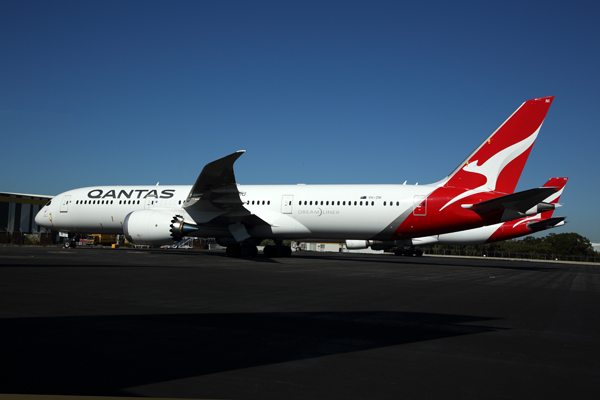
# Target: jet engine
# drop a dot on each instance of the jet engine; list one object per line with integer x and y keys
{"x": 373, "y": 244}
{"x": 155, "y": 228}
{"x": 357, "y": 244}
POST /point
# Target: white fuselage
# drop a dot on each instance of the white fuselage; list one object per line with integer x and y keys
{"x": 290, "y": 211}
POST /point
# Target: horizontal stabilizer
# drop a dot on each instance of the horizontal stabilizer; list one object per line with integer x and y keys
{"x": 515, "y": 205}
{"x": 546, "y": 224}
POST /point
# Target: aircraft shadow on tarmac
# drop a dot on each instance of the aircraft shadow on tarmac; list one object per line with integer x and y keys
{"x": 473, "y": 262}
{"x": 104, "y": 355}
{"x": 378, "y": 258}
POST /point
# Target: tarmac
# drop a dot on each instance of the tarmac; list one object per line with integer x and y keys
{"x": 198, "y": 325}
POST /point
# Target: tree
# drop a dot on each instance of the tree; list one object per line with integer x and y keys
{"x": 570, "y": 244}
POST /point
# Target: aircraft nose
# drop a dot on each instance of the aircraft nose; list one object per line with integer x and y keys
{"x": 40, "y": 219}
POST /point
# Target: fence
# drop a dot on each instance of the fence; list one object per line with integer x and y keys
{"x": 515, "y": 255}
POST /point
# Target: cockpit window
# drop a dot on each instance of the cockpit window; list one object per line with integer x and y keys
{"x": 48, "y": 203}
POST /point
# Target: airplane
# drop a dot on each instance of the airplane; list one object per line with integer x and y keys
{"x": 483, "y": 235}
{"x": 479, "y": 192}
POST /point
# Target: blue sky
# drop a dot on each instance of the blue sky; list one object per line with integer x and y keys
{"x": 137, "y": 92}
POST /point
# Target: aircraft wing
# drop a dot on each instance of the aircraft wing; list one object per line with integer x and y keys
{"x": 215, "y": 197}
{"x": 216, "y": 184}
{"x": 215, "y": 192}
{"x": 515, "y": 205}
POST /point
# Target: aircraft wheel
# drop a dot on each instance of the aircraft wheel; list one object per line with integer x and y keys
{"x": 248, "y": 250}
{"x": 245, "y": 251}
{"x": 398, "y": 252}
{"x": 233, "y": 251}
{"x": 69, "y": 244}
{"x": 419, "y": 253}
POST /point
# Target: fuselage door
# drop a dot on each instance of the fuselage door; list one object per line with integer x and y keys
{"x": 420, "y": 206}
{"x": 286, "y": 203}
{"x": 64, "y": 206}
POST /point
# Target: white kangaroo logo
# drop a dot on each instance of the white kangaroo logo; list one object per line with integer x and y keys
{"x": 492, "y": 168}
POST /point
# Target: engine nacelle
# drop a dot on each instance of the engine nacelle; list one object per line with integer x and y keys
{"x": 357, "y": 244}
{"x": 373, "y": 244}
{"x": 154, "y": 228}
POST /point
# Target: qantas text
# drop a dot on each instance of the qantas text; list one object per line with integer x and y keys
{"x": 124, "y": 194}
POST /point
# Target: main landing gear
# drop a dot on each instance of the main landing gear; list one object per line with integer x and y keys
{"x": 410, "y": 252}
{"x": 248, "y": 250}
{"x": 241, "y": 250}
{"x": 277, "y": 251}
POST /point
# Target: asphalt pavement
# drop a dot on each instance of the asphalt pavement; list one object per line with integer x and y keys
{"x": 197, "y": 324}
